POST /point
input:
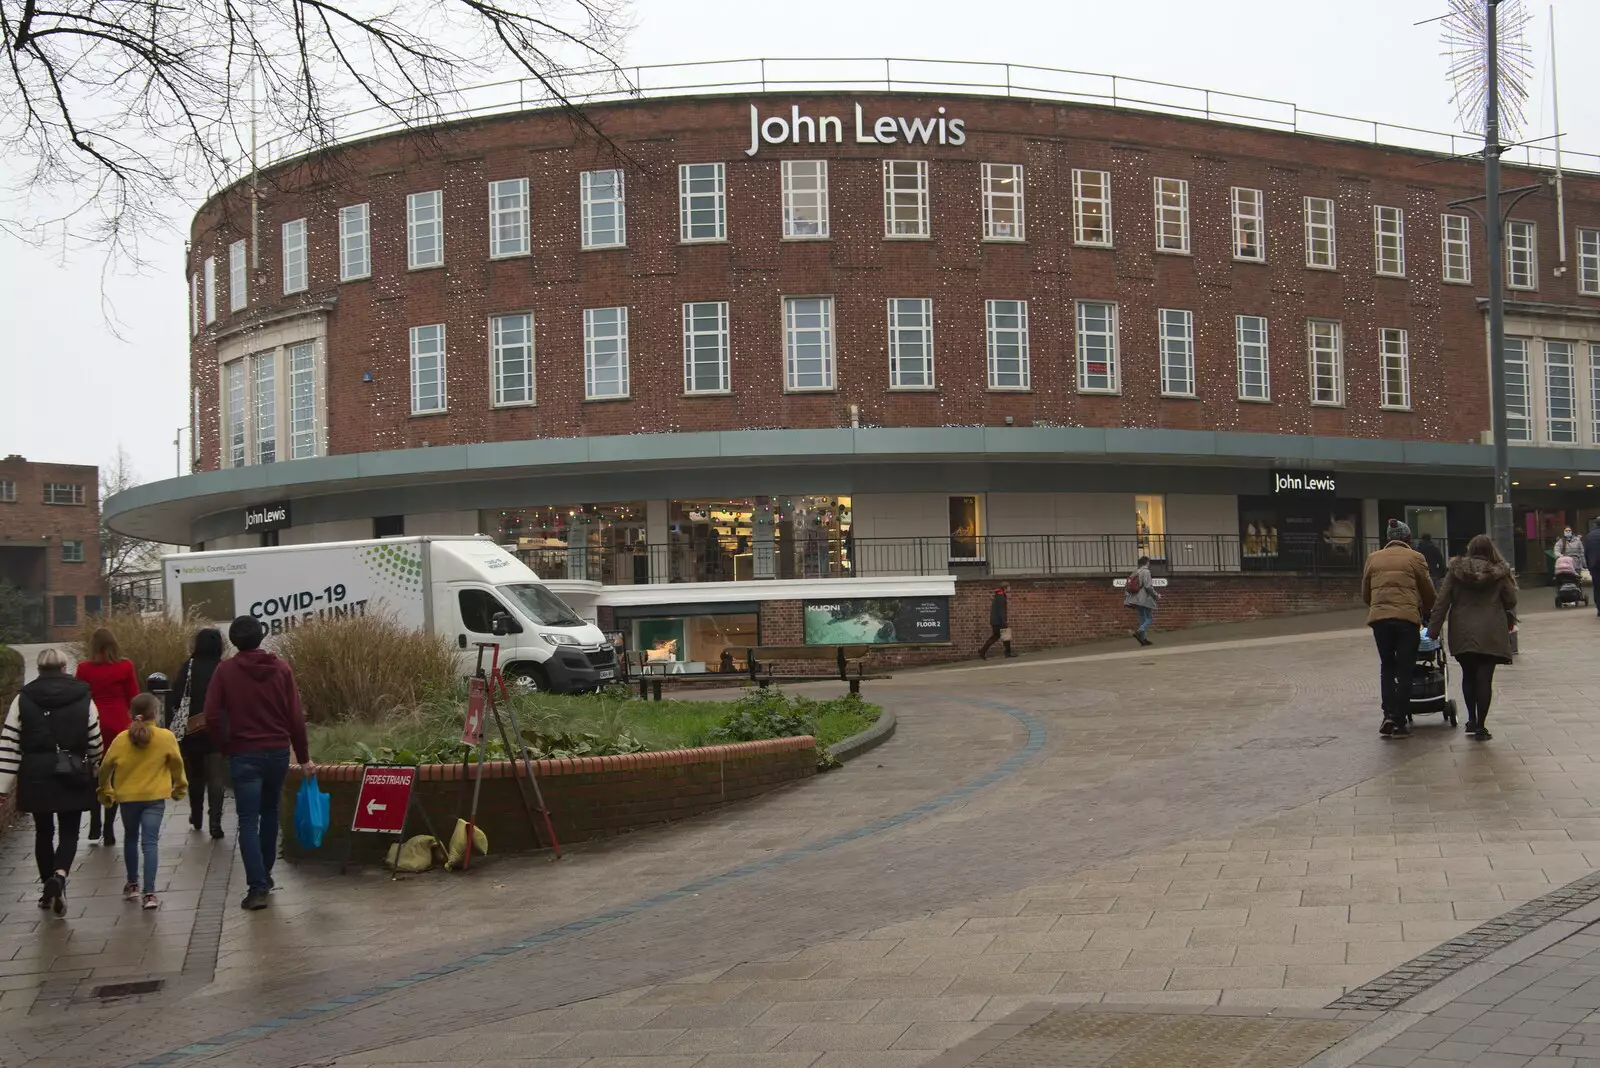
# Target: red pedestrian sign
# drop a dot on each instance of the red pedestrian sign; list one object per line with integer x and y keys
{"x": 472, "y": 732}
{"x": 384, "y": 798}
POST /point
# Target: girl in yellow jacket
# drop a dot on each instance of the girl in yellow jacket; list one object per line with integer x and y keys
{"x": 141, "y": 770}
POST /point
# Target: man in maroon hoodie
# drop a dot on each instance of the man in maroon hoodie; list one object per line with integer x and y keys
{"x": 253, "y": 715}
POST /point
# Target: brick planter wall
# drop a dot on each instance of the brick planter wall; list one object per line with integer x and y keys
{"x": 588, "y": 797}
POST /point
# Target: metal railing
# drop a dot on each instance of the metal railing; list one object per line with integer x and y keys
{"x": 889, "y": 74}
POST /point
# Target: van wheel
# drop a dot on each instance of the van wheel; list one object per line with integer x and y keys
{"x": 531, "y": 675}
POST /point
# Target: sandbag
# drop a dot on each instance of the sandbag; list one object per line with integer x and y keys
{"x": 415, "y": 854}
{"x": 458, "y": 845}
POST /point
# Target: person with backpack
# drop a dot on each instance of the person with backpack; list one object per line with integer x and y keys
{"x": 1140, "y": 595}
{"x": 142, "y": 769}
{"x": 999, "y": 628}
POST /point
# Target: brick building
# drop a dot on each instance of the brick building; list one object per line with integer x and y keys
{"x": 50, "y": 543}
{"x": 765, "y": 349}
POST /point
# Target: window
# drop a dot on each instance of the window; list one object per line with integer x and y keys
{"x": 1097, "y": 347}
{"x": 1394, "y": 348}
{"x": 1389, "y": 240}
{"x": 64, "y": 610}
{"x": 1255, "y": 380}
{"x": 72, "y": 552}
{"x": 1325, "y": 342}
{"x": 705, "y": 347}
{"x": 355, "y": 242}
{"x": 1177, "y": 352}
{"x": 605, "y": 353}
{"x": 91, "y": 604}
{"x": 1594, "y": 394}
{"x": 1091, "y": 208}
{"x": 1249, "y": 225}
{"x": 1521, "y": 255}
{"x": 605, "y": 222}
{"x": 388, "y": 526}
{"x": 211, "y": 289}
{"x": 1002, "y": 202}
{"x": 702, "y": 202}
{"x": 1150, "y": 526}
{"x": 905, "y": 198}
{"x": 1589, "y": 262}
{"x": 294, "y": 256}
{"x": 1560, "y": 394}
{"x": 8, "y": 491}
{"x": 1008, "y": 344}
{"x": 1172, "y": 215}
{"x": 425, "y": 230}
{"x": 235, "y": 385}
{"x": 478, "y": 609}
{"x": 805, "y": 198}
{"x": 238, "y": 295}
{"x": 1518, "y": 426}
{"x": 302, "y": 400}
{"x": 264, "y": 369}
{"x": 1321, "y": 248}
{"x": 508, "y": 218}
{"x": 511, "y": 358}
{"x": 910, "y": 343}
{"x": 808, "y": 342}
{"x": 427, "y": 369}
{"x": 194, "y": 305}
{"x": 966, "y": 529}
{"x": 1456, "y": 248}
{"x": 63, "y": 493}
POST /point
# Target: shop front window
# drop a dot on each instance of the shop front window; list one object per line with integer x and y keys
{"x": 1150, "y": 526}
{"x": 692, "y": 644}
{"x": 965, "y": 530}
{"x": 1299, "y": 534}
{"x": 737, "y": 540}
{"x": 599, "y": 542}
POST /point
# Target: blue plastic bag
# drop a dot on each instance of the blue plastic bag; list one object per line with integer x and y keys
{"x": 311, "y": 808}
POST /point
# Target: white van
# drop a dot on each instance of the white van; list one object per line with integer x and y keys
{"x": 466, "y": 588}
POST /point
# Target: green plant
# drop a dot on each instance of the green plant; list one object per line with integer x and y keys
{"x": 368, "y": 668}
{"x": 765, "y": 713}
{"x": 12, "y": 672}
{"x": 21, "y": 615}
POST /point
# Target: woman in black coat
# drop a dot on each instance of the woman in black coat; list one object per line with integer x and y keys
{"x": 201, "y": 760}
{"x": 49, "y": 746}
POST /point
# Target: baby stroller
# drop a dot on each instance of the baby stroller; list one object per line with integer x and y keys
{"x": 1569, "y": 584}
{"x": 1430, "y": 681}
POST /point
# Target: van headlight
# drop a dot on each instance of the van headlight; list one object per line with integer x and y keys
{"x": 560, "y": 639}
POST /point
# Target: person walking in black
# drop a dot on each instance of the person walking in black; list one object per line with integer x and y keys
{"x": 1399, "y": 596}
{"x": 1433, "y": 555}
{"x": 202, "y": 761}
{"x": 999, "y": 628}
{"x": 1591, "y": 553}
{"x": 1479, "y": 598}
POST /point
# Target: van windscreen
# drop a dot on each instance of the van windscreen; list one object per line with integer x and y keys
{"x": 541, "y": 606}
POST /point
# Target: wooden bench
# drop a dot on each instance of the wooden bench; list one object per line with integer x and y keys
{"x": 765, "y": 662}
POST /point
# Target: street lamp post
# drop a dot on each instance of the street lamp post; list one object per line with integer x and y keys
{"x": 1500, "y": 520}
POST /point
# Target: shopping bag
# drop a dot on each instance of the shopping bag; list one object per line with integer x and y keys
{"x": 1005, "y": 634}
{"x": 310, "y": 814}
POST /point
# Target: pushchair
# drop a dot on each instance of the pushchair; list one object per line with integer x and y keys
{"x": 1430, "y": 682}
{"x": 1569, "y": 584}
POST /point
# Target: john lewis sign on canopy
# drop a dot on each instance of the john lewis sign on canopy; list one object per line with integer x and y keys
{"x": 796, "y": 129}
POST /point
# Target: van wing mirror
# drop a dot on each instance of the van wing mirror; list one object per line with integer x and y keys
{"x": 501, "y": 624}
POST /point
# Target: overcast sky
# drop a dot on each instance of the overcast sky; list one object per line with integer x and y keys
{"x": 73, "y": 391}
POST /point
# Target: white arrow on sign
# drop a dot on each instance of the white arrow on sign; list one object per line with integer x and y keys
{"x": 373, "y": 806}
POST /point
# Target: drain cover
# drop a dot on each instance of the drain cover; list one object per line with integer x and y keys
{"x": 1286, "y": 743}
{"x": 126, "y": 990}
{"x": 1088, "y": 1039}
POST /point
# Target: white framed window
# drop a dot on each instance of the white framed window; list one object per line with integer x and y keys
{"x": 195, "y": 303}
{"x": 1389, "y": 240}
{"x": 805, "y": 198}
{"x": 1172, "y": 214}
{"x": 355, "y": 242}
{"x": 1176, "y": 328}
{"x": 1522, "y": 255}
{"x": 238, "y": 286}
{"x": 302, "y": 400}
{"x": 1394, "y": 347}
{"x": 808, "y": 343}
{"x": 910, "y": 343}
{"x": 1255, "y": 377}
{"x": 511, "y": 358}
{"x": 705, "y": 347}
{"x": 1325, "y": 347}
{"x": 1589, "y": 262}
{"x": 1455, "y": 248}
{"x": 1560, "y": 394}
{"x": 211, "y": 289}
{"x": 1322, "y": 250}
{"x": 425, "y": 229}
{"x": 295, "y": 278}
{"x": 71, "y": 551}
{"x": 1518, "y": 421}
{"x": 1091, "y": 208}
{"x": 605, "y": 209}
{"x": 1002, "y": 202}
{"x": 63, "y": 493}
{"x": 1097, "y": 347}
{"x": 1249, "y": 224}
{"x": 264, "y": 386}
{"x": 427, "y": 369}
{"x": 702, "y": 202}
{"x": 236, "y": 389}
{"x": 508, "y": 218}
{"x": 605, "y": 353}
{"x": 8, "y": 491}
{"x": 1009, "y": 366}
{"x": 1594, "y": 393}
{"x": 905, "y": 198}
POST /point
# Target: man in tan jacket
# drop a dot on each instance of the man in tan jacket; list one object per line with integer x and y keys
{"x": 1399, "y": 594}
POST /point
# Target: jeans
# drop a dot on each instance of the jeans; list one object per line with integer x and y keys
{"x": 1147, "y": 616}
{"x": 141, "y": 830}
{"x": 257, "y": 794}
{"x": 1397, "y": 641}
{"x": 208, "y": 776}
{"x": 51, "y": 851}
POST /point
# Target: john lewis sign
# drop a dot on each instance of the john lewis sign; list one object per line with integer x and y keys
{"x": 1305, "y": 483}
{"x": 797, "y": 129}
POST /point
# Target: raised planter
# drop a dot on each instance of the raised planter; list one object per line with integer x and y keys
{"x": 588, "y": 797}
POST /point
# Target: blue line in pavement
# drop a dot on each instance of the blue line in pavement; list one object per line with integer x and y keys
{"x": 1030, "y": 748}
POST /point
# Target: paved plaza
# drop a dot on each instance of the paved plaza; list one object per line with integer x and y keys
{"x": 1211, "y": 825}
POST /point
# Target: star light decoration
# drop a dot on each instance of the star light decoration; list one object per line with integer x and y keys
{"x": 1465, "y": 36}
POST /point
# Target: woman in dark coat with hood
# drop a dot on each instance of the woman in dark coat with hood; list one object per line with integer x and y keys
{"x": 1479, "y": 598}
{"x": 202, "y": 762}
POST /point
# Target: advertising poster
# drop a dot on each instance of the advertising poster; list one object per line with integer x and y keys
{"x": 1288, "y": 534}
{"x": 878, "y": 621}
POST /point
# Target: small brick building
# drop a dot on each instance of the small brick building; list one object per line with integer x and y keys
{"x": 50, "y": 543}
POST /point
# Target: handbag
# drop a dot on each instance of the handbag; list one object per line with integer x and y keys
{"x": 184, "y": 721}
{"x": 71, "y": 769}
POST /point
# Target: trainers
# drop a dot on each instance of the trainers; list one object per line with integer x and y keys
{"x": 254, "y": 901}
{"x": 1401, "y": 730}
{"x": 55, "y": 891}
{"x": 130, "y": 891}
{"x": 150, "y": 902}
{"x": 216, "y": 832}
{"x": 1387, "y": 729}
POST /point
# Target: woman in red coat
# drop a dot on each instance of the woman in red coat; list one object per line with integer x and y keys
{"x": 114, "y": 684}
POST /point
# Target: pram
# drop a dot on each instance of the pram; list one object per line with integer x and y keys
{"x": 1430, "y": 682}
{"x": 1569, "y": 584}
